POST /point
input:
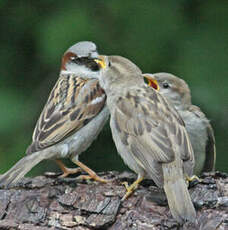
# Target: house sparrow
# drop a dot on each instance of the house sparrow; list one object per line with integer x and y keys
{"x": 197, "y": 125}
{"x": 148, "y": 133}
{"x": 72, "y": 118}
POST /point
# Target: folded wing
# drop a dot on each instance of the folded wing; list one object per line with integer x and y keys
{"x": 153, "y": 131}
{"x": 72, "y": 103}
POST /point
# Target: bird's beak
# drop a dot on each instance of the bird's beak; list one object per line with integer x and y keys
{"x": 101, "y": 62}
{"x": 152, "y": 82}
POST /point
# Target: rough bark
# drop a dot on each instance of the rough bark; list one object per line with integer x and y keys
{"x": 47, "y": 202}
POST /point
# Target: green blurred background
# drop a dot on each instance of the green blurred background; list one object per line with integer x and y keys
{"x": 186, "y": 37}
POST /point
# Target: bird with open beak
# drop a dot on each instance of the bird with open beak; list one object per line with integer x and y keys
{"x": 197, "y": 125}
{"x": 148, "y": 133}
{"x": 72, "y": 118}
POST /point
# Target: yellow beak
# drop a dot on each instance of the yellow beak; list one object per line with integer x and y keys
{"x": 100, "y": 61}
{"x": 152, "y": 82}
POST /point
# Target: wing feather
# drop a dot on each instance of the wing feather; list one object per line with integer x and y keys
{"x": 210, "y": 151}
{"x": 209, "y": 164}
{"x": 153, "y": 130}
{"x": 72, "y": 103}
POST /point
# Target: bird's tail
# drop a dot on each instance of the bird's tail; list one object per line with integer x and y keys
{"x": 178, "y": 197}
{"x": 22, "y": 167}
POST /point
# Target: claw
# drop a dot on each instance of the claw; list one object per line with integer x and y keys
{"x": 66, "y": 171}
{"x": 125, "y": 183}
{"x": 92, "y": 174}
{"x": 94, "y": 177}
{"x": 69, "y": 171}
{"x": 192, "y": 178}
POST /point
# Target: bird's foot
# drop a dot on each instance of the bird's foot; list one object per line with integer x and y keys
{"x": 192, "y": 178}
{"x": 66, "y": 171}
{"x": 130, "y": 189}
{"x": 92, "y": 174}
{"x": 94, "y": 177}
{"x": 70, "y": 171}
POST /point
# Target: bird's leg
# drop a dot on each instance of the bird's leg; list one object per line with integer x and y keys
{"x": 67, "y": 171}
{"x": 130, "y": 189}
{"x": 92, "y": 174}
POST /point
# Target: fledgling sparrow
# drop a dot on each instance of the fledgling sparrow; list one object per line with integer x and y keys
{"x": 72, "y": 118}
{"x": 148, "y": 133}
{"x": 197, "y": 125}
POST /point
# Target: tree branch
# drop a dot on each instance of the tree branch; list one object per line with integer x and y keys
{"x": 47, "y": 202}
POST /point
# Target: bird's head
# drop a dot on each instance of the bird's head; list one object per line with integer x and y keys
{"x": 170, "y": 86}
{"x": 79, "y": 59}
{"x": 117, "y": 69}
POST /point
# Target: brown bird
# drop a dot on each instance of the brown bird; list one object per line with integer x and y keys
{"x": 72, "y": 118}
{"x": 148, "y": 133}
{"x": 197, "y": 125}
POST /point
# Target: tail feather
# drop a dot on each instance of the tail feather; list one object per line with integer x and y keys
{"x": 22, "y": 167}
{"x": 178, "y": 197}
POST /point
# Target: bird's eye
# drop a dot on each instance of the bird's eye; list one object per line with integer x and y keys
{"x": 79, "y": 60}
{"x": 165, "y": 85}
{"x": 109, "y": 64}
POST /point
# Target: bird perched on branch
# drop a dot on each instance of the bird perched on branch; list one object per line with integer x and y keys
{"x": 197, "y": 125}
{"x": 72, "y": 118}
{"x": 148, "y": 133}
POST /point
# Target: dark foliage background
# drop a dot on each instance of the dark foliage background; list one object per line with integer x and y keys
{"x": 186, "y": 37}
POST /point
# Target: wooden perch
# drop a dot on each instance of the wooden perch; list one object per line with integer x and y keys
{"x": 47, "y": 202}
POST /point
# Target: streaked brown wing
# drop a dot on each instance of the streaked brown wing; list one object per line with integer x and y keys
{"x": 72, "y": 103}
{"x": 152, "y": 130}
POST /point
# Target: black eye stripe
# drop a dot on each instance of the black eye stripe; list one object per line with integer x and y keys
{"x": 86, "y": 61}
{"x": 81, "y": 60}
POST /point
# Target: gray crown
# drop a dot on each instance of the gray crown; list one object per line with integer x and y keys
{"x": 84, "y": 49}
